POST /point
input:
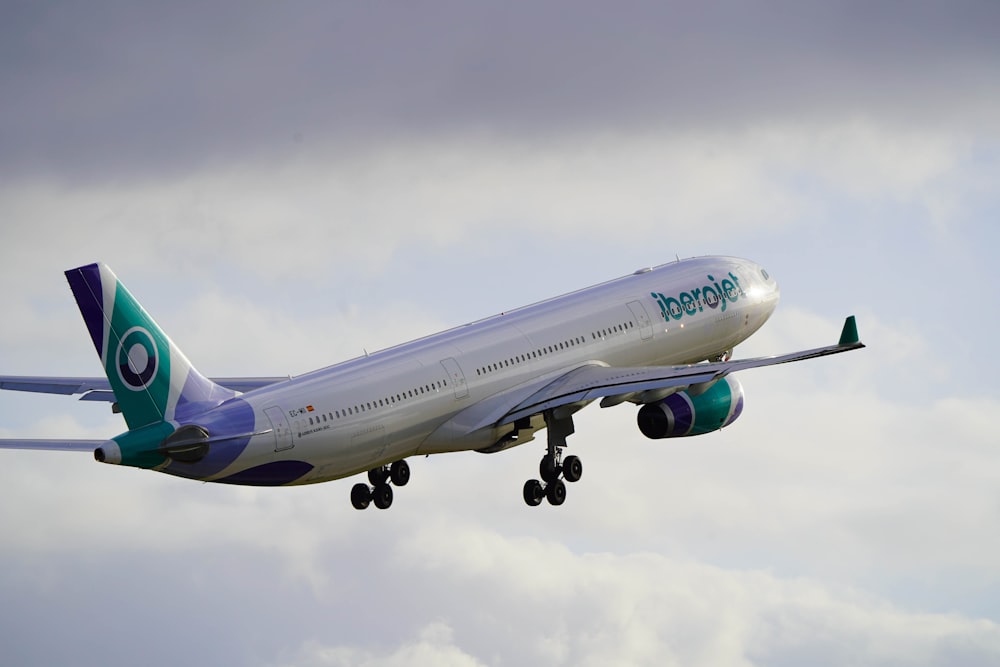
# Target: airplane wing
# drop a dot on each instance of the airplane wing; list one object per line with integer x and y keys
{"x": 99, "y": 389}
{"x": 616, "y": 385}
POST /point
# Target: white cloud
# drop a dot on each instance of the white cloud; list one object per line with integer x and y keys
{"x": 320, "y": 211}
{"x": 871, "y": 160}
{"x": 433, "y": 646}
{"x": 750, "y": 546}
{"x": 844, "y": 519}
{"x": 234, "y": 335}
{"x": 644, "y": 608}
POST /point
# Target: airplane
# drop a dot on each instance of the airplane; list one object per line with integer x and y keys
{"x": 661, "y": 339}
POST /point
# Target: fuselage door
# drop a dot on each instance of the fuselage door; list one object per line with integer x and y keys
{"x": 456, "y": 377}
{"x": 641, "y": 319}
{"x": 280, "y": 428}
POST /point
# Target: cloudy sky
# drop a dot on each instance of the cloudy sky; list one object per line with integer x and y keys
{"x": 284, "y": 185}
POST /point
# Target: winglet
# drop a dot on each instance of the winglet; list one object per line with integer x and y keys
{"x": 849, "y": 334}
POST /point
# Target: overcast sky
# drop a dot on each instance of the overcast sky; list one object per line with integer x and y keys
{"x": 284, "y": 185}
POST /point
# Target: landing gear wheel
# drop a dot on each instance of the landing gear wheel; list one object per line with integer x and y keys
{"x": 399, "y": 473}
{"x": 361, "y": 496}
{"x": 556, "y": 492}
{"x": 378, "y": 475}
{"x": 382, "y": 496}
{"x": 548, "y": 469}
{"x": 572, "y": 469}
{"x": 533, "y": 493}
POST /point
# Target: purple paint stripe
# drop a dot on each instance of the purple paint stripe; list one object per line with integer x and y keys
{"x": 683, "y": 414}
{"x": 232, "y": 417}
{"x": 275, "y": 473}
{"x": 737, "y": 411}
{"x": 85, "y": 282}
{"x": 199, "y": 395}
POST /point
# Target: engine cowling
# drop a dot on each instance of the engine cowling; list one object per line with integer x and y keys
{"x": 682, "y": 414}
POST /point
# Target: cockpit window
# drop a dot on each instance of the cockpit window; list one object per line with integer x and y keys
{"x": 764, "y": 273}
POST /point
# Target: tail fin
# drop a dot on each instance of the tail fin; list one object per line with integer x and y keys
{"x": 152, "y": 380}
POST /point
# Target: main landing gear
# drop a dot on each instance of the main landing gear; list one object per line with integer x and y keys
{"x": 553, "y": 465}
{"x": 380, "y": 492}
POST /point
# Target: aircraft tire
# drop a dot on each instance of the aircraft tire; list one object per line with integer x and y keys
{"x": 548, "y": 470}
{"x": 572, "y": 469}
{"x": 378, "y": 475}
{"x": 556, "y": 492}
{"x": 382, "y": 496}
{"x": 533, "y": 493}
{"x": 361, "y": 496}
{"x": 399, "y": 473}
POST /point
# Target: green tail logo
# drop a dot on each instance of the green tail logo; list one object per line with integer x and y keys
{"x": 149, "y": 375}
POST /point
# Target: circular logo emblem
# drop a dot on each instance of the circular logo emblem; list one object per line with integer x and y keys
{"x": 137, "y": 359}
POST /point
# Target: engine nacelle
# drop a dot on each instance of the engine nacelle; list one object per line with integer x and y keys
{"x": 682, "y": 414}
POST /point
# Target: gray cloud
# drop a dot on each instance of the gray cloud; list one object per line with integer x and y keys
{"x": 115, "y": 89}
{"x": 284, "y": 184}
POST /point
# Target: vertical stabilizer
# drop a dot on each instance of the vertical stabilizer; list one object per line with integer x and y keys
{"x": 152, "y": 379}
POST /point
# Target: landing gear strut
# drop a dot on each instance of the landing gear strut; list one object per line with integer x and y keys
{"x": 553, "y": 465}
{"x": 380, "y": 491}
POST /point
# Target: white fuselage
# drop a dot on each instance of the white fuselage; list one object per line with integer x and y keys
{"x": 421, "y": 397}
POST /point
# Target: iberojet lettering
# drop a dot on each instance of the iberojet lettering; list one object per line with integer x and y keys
{"x": 714, "y": 295}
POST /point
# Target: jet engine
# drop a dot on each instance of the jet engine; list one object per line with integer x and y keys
{"x": 690, "y": 413}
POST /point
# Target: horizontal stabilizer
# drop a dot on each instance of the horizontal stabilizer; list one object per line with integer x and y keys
{"x": 53, "y": 385}
{"x": 99, "y": 388}
{"x": 53, "y": 445}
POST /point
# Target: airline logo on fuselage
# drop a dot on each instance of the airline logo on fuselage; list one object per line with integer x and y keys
{"x": 716, "y": 294}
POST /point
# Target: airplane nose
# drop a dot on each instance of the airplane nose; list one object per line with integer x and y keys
{"x": 774, "y": 293}
{"x": 765, "y": 291}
